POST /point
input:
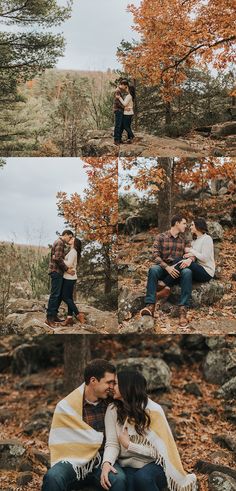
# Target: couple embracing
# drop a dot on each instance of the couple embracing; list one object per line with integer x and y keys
{"x": 123, "y": 111}
{"x": 108, "y": 434}
{"x": 65, "y": 256}
{"x": 179, "y": 260}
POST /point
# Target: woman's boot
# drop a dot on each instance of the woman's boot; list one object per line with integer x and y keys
{"x": 68, "y": 321}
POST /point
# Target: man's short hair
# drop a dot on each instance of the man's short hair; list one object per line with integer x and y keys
{"x": 177, "y": 218}
{"x": 97, "y": 368}
{"x": 67, "y": 232}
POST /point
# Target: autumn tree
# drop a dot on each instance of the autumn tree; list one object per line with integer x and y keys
{"x": 94, "y": 214}
{"x": 177, "y": 35}
{"x": 162, "y": 178}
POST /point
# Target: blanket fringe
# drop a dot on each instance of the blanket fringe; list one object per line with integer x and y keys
{"x": 83, "y": 471}
{"x": 159, "y": 459}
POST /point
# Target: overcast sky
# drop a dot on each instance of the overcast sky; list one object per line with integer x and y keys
{"x": 94, "y": 32}
{"x": 28, "y": 188}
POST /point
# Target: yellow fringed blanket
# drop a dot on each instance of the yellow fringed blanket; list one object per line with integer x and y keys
{"x": 165, "y": 451}
{"x": 71, "y": 439}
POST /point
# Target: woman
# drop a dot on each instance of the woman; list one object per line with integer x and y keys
{"x": 139, "y": 438}
{"x": 202, "y": 249}
{"x": 71, "y": 260}
{"x": 128, "y": 104}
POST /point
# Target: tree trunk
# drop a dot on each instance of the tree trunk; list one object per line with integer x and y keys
{"x": 107, "y": 268}
{"x": 168, "y": 117}
{"x": 165, "y": 195}
{"x": 76, "y": 356}
{"x": 135, "y": 108}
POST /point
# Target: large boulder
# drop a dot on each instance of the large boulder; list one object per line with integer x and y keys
{"x": 202, "y": 293}
{"x": 135, "y": 224}
{"x": 11, "y": 454}
{"x": 130, "y": 302}
{"x": 140, "y": 325}
{"x": 219, "y": 366}
{"x": 155, "y": 370}
{"x": 223, "y": 129}
{"x": 215, "y": 230}
{"x": 221, "y": 482}
{"x": 23, "y": 305}
{"x": 228, "y": 390}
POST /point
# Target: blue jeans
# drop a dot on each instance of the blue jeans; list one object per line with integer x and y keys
{"x": 127, "y": 121}
{"x": 55, "y": 295}
{"x": 118, "y": 125}
{"x": 67, "y": 296}
{"x": 62, "y": 477}
{"x": 157, "y": 273}
{"x": 151, "y": 477}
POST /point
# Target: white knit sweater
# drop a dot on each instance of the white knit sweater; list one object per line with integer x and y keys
{"x": 128, "y": 104}
{"x": 71, "y": 261}
{"x": 203, "y": 249}
{"x": 137, "y": 455}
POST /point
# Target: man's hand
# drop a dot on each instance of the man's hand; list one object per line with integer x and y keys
{"x": 70, "y": 271}
{"x": 124, "y": 438}
{"x": 104, "y": 480}
{"x": 186, "y": 263}
{"x": 172, "y": 271}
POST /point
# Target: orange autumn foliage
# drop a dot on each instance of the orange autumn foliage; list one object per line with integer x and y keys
{"x": 148, "y": 175}
{"x": 95, "y": 213}
{"x": 176, "y": 35}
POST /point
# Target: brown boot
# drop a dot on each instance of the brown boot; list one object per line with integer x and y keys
{"x": 80, "y": 317}
{"x": 163, "y": 294}
{"x": 50, "y": 323}
{"x": 149, "y": 309}
{"x": 183, "y": 321}
{"x": 68, "y": 322}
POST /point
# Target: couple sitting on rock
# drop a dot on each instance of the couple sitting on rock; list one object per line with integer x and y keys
{"x": 179, "y": 261}
{"x": 109, "y": 435}
{"x": 62, "y": 270}
{"x": 123, "y": 111}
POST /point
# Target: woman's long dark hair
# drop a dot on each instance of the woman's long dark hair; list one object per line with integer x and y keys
{"x": 133, "y": 389}
{"x": 132, "y": 90}
{"x": 201, "y": 225}
{"x": 78, "y": 246}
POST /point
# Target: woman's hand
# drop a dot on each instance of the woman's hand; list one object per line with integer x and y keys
{"x": 185, "y": 264}
{"x": 124, "y": 438}
{"x": 104, "y": 480}
{"x": 188, "y": 254}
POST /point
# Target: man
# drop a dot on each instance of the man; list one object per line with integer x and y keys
{"x": 168, "y": 251}
{"x": 57, "y": 267}
{"x": 118, "y": 113}
{"x": 77, "y": 434}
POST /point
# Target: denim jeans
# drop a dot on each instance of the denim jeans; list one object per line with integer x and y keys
{"x": 62, "y": 477}
{"x": 151, "y": 477}
{"x": 158, "y": 273}
{"x": 127, "y": 121}
{"x": 118, "y": 125}
{"x": 55, "y": 295}
{"x": 67, "y": 296}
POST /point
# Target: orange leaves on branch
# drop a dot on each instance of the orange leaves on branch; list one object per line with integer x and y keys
{"x": 176, "y": 35}
{"x": 144, "y": 174}
{"x": 94, "y": 213}
{"x": 202, "y": 170}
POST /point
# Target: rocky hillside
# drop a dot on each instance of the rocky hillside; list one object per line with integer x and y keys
{"x": 218, "y": 141}
{"x": 26, "y": 316}
{"x": 213, "y": 304}
{"x": 192, "y": 377}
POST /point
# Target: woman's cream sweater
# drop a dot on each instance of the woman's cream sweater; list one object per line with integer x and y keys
{"x": 136, "y": 455}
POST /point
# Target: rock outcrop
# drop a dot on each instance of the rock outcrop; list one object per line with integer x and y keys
{"x": 220, "y": 142}
{"x": 26, "y": 316}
